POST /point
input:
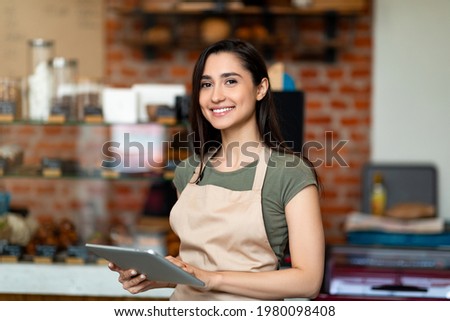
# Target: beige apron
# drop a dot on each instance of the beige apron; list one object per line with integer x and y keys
{"x": 222, "y": 230}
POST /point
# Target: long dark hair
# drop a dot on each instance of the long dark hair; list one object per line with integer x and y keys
{"x": 205, "y": 135}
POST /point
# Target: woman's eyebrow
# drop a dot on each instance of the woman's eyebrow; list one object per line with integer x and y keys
{"x": 224, "y": 75}
{"x": 230, "y": 74}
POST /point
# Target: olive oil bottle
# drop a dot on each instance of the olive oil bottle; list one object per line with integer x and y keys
{"x": 379, "y": 195}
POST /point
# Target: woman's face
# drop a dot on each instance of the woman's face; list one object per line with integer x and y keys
{"x": 227, "y": 93}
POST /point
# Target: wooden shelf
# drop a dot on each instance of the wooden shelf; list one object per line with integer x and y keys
{"x": 181, "y": 25}
{"x": 317, "y": 7}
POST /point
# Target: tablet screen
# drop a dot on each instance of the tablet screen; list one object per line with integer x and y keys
{"x": 150, "y": 263}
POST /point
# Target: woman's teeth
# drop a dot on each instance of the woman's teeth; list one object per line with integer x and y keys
{"x": 222, "y": 110}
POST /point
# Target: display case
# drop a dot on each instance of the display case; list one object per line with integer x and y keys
{"x": 96, "y": 177}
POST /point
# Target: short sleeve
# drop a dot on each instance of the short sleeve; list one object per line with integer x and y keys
{"x": 183, "y": 173}
{"x": 288, "y": 175}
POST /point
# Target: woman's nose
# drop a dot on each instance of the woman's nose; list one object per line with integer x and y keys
{"x": 217, "y": 94}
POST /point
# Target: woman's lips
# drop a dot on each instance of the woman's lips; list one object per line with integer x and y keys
{"x": 221, "y": 110}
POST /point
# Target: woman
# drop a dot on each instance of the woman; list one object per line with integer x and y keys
{"x": 249, "y": 195}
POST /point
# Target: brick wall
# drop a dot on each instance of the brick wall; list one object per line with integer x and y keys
{"x": 337, "y": 110}
{"x": 337, "y": 99}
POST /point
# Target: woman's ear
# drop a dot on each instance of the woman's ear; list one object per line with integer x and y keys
{"x": 262, "y": 89}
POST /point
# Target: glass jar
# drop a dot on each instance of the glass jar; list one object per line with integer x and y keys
{"x": 40, "y": 51}
{"x": 10, "y": 99}
{"x": 89, "y": 100}
{"x": 63, "y": 90}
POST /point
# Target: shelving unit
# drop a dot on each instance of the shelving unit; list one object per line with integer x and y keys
{"x": 182, "y": 25}
{"x": 88, "y": 137}
{"x": 88, "y": 198}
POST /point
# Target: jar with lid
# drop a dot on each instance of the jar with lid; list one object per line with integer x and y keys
{"x": 40, "y": 51}
{"x": 89, "y": 100}
{"x": 10, "y": 99}
{"x": 63, "y": 90}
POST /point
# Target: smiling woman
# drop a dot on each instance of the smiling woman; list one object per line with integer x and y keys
{"x": 225, "y": 85}
{"x": 243, "y": 196}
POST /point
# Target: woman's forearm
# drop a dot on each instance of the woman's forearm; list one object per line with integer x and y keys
{"x": 285, "y": 283}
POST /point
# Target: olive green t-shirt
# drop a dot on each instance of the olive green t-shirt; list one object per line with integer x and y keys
{"x": 286, "y": 176}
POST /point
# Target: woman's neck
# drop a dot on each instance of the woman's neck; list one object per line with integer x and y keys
{"x": 237, "y": 151}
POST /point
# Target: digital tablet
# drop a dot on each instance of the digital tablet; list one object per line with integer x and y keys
{"x": 150, "y": 263}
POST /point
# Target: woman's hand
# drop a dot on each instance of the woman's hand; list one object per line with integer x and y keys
{"x": 209, "y": 278}
{"x": 134, "y": 282}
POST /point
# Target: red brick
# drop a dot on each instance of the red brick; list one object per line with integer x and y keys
{"x": 356, "y": 58}
{"x": 361, "y": 73}
{"x": 314, "y": 88}
{"x": 347, "y": 180}
{"x": 363, "y": 42}
{"x": 329, "y": 194}
{"x": 179, "y": 71}
{"x": 351, "y": 121}
{"x": 352, "y": 89}
{"x": 362, "y": 104}
{"x": 337, "y": 209}
{"x": 319, "y": 120}
{"x": 309, "y": 73}
{"x": 354, "y": 194}
{"x": 314, "y": 104}
{"x": 335, "y": 73}
{"x": 154, "y": 72}
{"x": 308, "y": 136}
{"x": 338, "y": 104}
{"x": 332, "y": 135}
{"x": 359, "y": 137}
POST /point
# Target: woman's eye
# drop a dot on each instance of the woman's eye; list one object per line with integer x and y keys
{"x": 205, "y": 85}
{"x": 231, "y": 81}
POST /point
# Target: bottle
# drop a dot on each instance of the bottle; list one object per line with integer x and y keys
{"x": 39, "y": 81}
{"x": 378, "y": 196}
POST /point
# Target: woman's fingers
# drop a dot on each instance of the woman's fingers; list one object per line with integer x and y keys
{"x": 187, "y": 267}
{"x": 177, "y": 262}
{"x": 135, "y": 282}
{"x": 131, "y": 280}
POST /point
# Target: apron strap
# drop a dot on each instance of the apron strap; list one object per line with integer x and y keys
{"x": 197, "y": 172}
{"x": 261, "y": 169}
